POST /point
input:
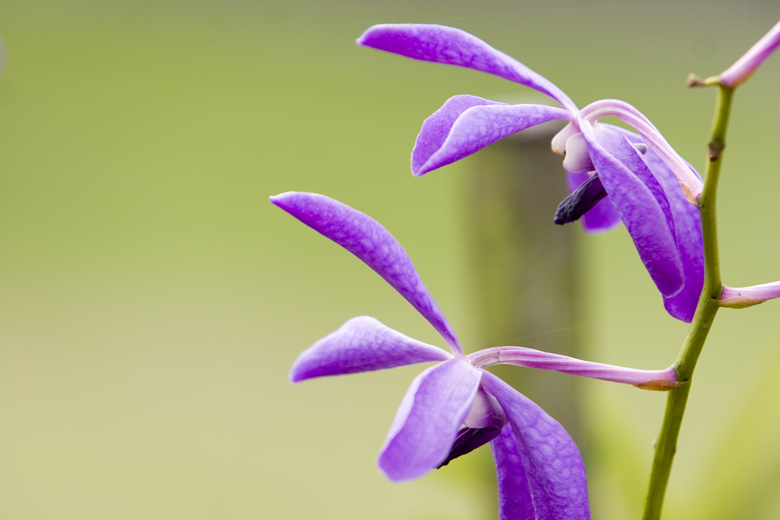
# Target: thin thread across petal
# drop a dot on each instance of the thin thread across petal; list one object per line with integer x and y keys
{"x": 428, "y": 420}
{"x": 367, "y": 239}
{"x": 554, "y": 468}
{"x": 360, "y": 345}
{"x": 451, "y": 46}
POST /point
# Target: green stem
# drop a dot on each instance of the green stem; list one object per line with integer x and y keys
{"x": 666, "y": 444}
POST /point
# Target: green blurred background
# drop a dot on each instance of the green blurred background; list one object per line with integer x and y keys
{"x": 152, "y": 300}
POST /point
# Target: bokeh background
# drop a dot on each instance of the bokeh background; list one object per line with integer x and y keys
{"x": 152, "y": 300}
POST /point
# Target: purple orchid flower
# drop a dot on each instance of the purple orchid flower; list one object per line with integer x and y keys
{"x": 540, "y": 470}
{"x": 614, "y": 175}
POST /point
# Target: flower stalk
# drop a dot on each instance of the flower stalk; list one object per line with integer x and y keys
{"x": 666, "y": 444}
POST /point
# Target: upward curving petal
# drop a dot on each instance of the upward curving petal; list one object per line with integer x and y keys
{"x": 467, "y": 124}
{"x": 367, "y": 239}
{"x": 687, "y": 226}
{"x": 360, "y": 345}
{"x": 514, "y": 494}
{"x": 553, "y": 465}
{"x": 450, "y": 46}
{"x": 641, "y": 213}
{"x": 427, "y": 421}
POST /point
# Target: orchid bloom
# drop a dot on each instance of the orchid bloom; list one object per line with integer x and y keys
{"x": 540, "y": 470}
{"x": 615, "y": 175}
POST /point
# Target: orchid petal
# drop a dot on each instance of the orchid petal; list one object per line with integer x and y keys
{"x": 428, "y": 419}
{"x": 474, "y": 129}
{"x": 360, "y": 345}
{"x": 450, "y": 46}
{"x": 553, "y": 465}
{"x": 687, "y": 226}
{"x": 437, "y": 127}
{"x": 514, "y": 494}
{"x": 367, "y": 239}
{"x": 603, "y": 216}
{"x": 639, "y": 210}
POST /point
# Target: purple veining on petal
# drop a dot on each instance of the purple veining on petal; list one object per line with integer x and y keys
{"x": 450, "y": 46}
{"x": 360, "y": 345}
{"x": 367, "y": 239}
{"x": 428, "y": 420}
{"x": 603, "y": 216}
{"x": 646, "y": 222}
{"x": 687, "y": 228}
{"x": 514, "y": 495}
{"x": 554, "y": 468}
{"x": 741, "y": 297}
{"x": 436, "y": 128}
{"x": 744, "y": 67}
{"x": 526, "y": 357}
{"x": 474, "y": 129}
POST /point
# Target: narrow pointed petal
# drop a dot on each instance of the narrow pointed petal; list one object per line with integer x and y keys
{"x": 437, "y": 127}
{"x": 741, "y": 297}
{"x": 527, "y": 357}
{"x": 554, "y": 468}
{"x": 745, "y": 66}
{"x": 450, "y": 46}
{"x": 428, "y": 420}
{"x": 687, "y": 226}
{"x": 368, "y": 240}
{"x": 360, "y": 345}
{"x": 514, "y": 494}
{"x": 474, "y": 129}
{"x": 641, "y": 213}
{"x": 603, "y": 216}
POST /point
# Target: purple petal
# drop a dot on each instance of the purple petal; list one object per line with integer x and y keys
{"x": 603, "y": 217}
{"x": 687, "y": 226}
{"x": 638, "y": 208}
{"x": 360, "y": 345}
{"x": 450, "y": 46}
{"x": 428, "y": 420}
{"x": 367, "y": 239}
{"x": 467, "y": 124}
{"x": 437, "y": 127}
{"x": 514, "y": 494}
{"x": 554, "y": 468}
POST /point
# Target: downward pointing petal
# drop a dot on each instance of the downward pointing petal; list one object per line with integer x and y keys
{"x": 475, "y": 128}
{"x": 367, "y": 239}
{"x": 643, "y": 216}
{"x": 428, "y": 419}
{"x": 514, "y": 494}
{"x": 360, "y": 345}
{"x": 441, "y": 44}
{"x": 553, "y": 465}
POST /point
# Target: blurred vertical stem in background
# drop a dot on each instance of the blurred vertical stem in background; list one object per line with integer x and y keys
{"x": 666, "y": 445}
{"x": 524, "y": 268}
